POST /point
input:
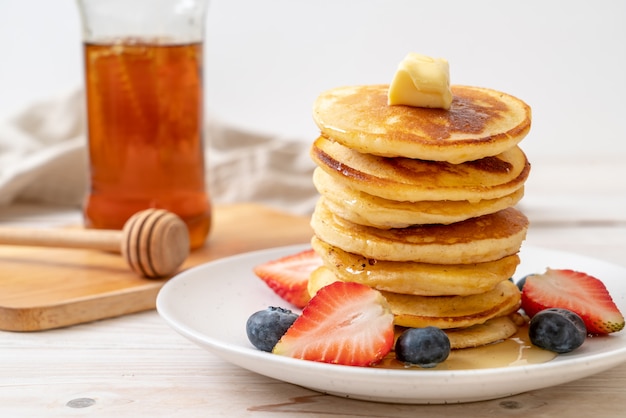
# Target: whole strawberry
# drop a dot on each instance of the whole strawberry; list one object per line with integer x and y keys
{"x": 344, "y": 323}
{"x": 576, "y": 291}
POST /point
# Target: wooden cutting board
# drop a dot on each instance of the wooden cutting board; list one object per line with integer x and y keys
{"x": 45, "y": 288}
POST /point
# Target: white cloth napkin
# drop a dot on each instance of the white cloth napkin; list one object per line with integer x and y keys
{"x": 43, "y": 159}
{"x": 247, "y": 167}
{"x": 42, "y": 153}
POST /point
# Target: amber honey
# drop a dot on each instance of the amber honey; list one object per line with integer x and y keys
{"x": 514, "y": 351}
{"x": 145, "y": 127}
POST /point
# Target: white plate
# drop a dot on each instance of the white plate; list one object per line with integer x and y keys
{"x": 209, "y": 304}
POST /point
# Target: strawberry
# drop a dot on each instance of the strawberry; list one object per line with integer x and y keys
{"x": 576, "y": 291}
{"x": 344, "y": 323}
{"x": 288, "y": 276}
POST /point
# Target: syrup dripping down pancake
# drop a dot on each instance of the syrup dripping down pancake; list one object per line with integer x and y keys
{"x": 412, "y": 278}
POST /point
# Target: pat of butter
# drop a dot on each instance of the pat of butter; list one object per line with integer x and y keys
{"x": 421, "y": 81}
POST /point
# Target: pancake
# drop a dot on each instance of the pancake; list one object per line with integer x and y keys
{"x": 416, "y": 278}
{"x": 405, "y": 179}
{"x": 365, "y": 209}
{"x": 476, "y": 240}
{"x": 492, "y": 331}
{"x": 480, "y": 123}
{"x": 445, "y": 312}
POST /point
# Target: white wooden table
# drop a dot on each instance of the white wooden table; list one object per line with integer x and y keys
{"x": 137, "y": 366}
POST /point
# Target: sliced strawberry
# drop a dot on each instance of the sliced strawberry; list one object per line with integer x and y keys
{"x": 576, "y": 291}
{"x": 289, "y": 276}
{"x": 344, "y": 323}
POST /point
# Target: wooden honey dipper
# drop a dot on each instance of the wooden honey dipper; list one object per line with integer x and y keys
{"x": 154, "y": 242}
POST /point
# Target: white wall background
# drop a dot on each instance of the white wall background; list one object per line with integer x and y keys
{"x": 267, "y": 60}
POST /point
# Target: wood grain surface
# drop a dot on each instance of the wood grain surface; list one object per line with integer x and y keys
{"x": 135, "y": 365}
{"x": 44, "y": 288}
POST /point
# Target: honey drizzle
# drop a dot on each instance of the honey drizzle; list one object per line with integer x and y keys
{"x": 514, "y": 351}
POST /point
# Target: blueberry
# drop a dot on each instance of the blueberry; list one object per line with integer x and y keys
{"x": 520, "y": 283}
{"x": 558, "y": 330}
{"x": 266, "y": 327}
{"x": 425, "y": 347}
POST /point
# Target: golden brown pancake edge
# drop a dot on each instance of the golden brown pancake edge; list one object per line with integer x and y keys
{"x": 481, "y": 122}
{"x": 404, "y": 179}
{"x": 486, "y": 238}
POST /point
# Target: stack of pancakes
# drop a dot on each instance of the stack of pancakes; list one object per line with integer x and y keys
{"x": 419, "y": 204}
